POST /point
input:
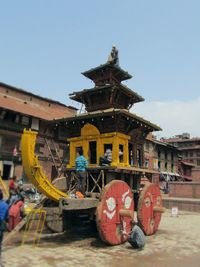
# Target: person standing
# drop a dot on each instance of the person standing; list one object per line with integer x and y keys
{"x": 81, "y": 165}
{"x": 3, "y": 218}
{"x": 15, "y": 213}
{"x": 12, "y": 184}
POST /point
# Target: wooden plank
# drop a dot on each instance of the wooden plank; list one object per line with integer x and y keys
{"x": 14, "y": 231}
{"x": 77, "y": 204}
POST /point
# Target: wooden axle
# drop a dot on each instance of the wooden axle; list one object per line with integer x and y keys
{"x": 158, "y": 209}
{"x": 126, "y": 213}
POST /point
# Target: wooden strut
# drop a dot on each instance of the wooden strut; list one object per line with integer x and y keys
{"x": 14, "y": 231}
{"x": 51, "y": 155}
{"x": 73, "y": 176}
{"x": 56, "y": 152}
{"x": 101, "y": 175}
{"x": 59, "y": 158}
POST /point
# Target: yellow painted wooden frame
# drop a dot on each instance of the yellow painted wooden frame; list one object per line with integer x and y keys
{"x": 90, "y": 133}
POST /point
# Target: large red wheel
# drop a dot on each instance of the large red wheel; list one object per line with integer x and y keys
{"x": 114, "y": 213}
{"x": 150, "y": 208}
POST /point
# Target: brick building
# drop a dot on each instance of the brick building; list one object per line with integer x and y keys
{"x": 160, "y": 156}
{"x": 189, "y": 148}
{"x": 20, "y": 109}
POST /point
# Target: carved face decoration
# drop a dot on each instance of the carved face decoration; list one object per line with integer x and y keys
{"x": 113, "y": 226}
{"x": 111, "y": 205}
{"x": 127, "y": 202}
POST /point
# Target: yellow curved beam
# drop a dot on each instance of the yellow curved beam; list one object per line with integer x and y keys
{"x": 33, "y": 169}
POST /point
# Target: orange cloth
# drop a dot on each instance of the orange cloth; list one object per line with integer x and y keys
{"x": 79, "y": 195}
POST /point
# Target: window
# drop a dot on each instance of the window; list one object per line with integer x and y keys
{"x": 10, "y": 116}
{"x": 66, "y": 153}
{"x": 198, "y": 153}
{"x": 131, "y": 156}
{"x": 25, "y": 120}
{"x": 166, "y": 166}
{"x": 35, "y": 124}
{"x": 159, "y": 165}
{"x": 146, "y": 163}
{"x": 159, "y": 153}
{"x": 172, "y": 167}
{"x": 165, "y": 154}
{"x": 198, "y": 162}
{"x": 39, "y": 148}
{"x": 107, "y": 146}
{"x": 17, "y": 119}
{"x": 191, "y": 154}
{"x": 139, "y": 158}
{"x": 186, "y": 154}
{"x": 2, "y": 114}
{"x": 172, "y": 156}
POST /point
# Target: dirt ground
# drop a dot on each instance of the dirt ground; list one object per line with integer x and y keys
{"x": 176, "y": 243}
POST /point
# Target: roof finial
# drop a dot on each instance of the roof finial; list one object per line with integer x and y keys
{"x": 113, "y": 57}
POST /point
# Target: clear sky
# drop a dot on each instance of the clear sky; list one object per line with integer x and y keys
{"x": 46, "y": 44}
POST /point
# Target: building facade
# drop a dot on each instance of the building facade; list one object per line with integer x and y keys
{"x": 189, "y": 149}
{"x": 162, "y": 157}
{"x": 20, "y": 109}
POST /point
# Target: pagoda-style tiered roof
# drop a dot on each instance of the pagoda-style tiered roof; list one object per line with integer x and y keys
{"x": 107, "y": 96}
{"x": 109, "y": 120}
{"x": 107, "y": 104}
{"x": 108, "y": 91}
{"x": 107, "y": 69}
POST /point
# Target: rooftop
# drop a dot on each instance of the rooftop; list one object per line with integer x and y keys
{"x": 77, "y": 96}
{"x": 162, "y": 143}
{"x": 32, "y": 94}
{"x": 180, "y": 140}
{"x": 117, "y": 71}
{"x": 48, "y": 111}
{"x": 111, "y": 112}
{"x": 188, "y": 163}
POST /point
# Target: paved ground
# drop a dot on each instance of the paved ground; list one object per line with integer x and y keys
{"x": 176, "y": 243}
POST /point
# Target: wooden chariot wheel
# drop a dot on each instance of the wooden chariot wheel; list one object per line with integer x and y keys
{"x": 115, "y": 212}
{"x": 54, "y": 221}
{"x": 150, "y": 208}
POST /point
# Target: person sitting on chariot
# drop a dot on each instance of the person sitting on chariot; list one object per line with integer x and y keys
{"x": 107, "y": 158}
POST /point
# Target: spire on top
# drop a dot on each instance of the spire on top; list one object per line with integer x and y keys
{"x": 113, "y": 57}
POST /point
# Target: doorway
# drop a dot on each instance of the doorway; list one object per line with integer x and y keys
{"x": 6, "y": 171}
{"x": 93, "y": 152}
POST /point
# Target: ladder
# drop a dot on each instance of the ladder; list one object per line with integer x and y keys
{"x": 4, "y": 188}
{"x": 36, "y": 218}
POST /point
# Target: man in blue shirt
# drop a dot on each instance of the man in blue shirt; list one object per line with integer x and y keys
{"x": 3, "y": 217}
{"x": 81, "y": 165}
